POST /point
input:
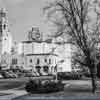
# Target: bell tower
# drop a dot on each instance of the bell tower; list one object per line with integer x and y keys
{"x": 5, "y": 37}
{"x": 2, "y": 22}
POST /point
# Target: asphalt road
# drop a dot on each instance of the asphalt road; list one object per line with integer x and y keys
{"x": 18, "y": 83}
{"x": 15, "y": 83}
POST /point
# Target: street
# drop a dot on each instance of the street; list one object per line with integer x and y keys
{"x": 14, "y": 88}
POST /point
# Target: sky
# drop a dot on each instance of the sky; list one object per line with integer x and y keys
{"x": 22, "y": 15}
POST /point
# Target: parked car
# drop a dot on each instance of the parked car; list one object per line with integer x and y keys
{"x": 77, "y": 75}
{"x": 64, "y": 75}
{"x": 7, "y": 74}
{"x": 13, "y": 74}
{"x": 69, "y": 75}
{"x": 1, "y": 76}
{"x": 36, "y": 73}
{"x": 44, "y": 74}
{"x": 20, "y": 74}
{"x": 29, "y": 74}
{"x": 86, "y": 72}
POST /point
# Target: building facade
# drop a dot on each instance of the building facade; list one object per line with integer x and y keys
{"x": 38, "y": 50}
{"x": 43, "y": 63}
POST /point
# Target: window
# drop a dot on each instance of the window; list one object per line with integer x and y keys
{"x": 45, "y": 60}
{"x": 2, "y": 14}
{"x": 30, "y": 60}
{"x": 38, "y": 68}
{"x": 49, "y": 61}
{"x": 14, "y": 61}
{"x": 0, "y": 26}
{"x": 38, "y": 61}
{"x": 4, "y": 26}
{"x": 46, "y": 69}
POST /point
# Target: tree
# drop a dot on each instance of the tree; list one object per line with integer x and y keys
{"x": 71, "y": 17}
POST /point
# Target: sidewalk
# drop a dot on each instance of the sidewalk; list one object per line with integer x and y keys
{"x": 11, "y": 94}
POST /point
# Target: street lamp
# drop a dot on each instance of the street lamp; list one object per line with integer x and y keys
{"x": 56, "y": 68}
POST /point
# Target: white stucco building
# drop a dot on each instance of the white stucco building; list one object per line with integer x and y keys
{"x": 44, "y": 55}
{"x": 43, "y": 50}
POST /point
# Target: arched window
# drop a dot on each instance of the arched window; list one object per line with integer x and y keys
{"x": 0, "y": 26}
{"x": 30, "y": 60}
{"x": 4, "y": 26}
{"x": 46, "y": 69}
{"x": 49, "y": 61}
{"x": 45, "y": 60}
{"x": 38, "y": 61}
{"x": 14, "y": 61}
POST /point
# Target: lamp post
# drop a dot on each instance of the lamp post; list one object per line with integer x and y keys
{"x": 56, "y": 68}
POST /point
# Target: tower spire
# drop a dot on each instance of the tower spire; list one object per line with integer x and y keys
{"x": 5, "y": 37}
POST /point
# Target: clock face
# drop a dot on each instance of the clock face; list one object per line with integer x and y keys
{"x": 35, "y": 35}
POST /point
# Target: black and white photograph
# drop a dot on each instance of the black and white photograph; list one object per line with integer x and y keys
{"x": 49, "y": 49}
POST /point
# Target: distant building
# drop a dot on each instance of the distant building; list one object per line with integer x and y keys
{"x": 16, "y": 57}
{"x": 5, "y": 36}
{"x": 39, "y": 49}
{"x": 17, "y": 61}
{"x": 38, "y": 56}
{"x": 5, "y": 61}
{"x": 43, "y": 56}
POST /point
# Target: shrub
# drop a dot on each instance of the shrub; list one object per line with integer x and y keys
{"x": 44, "y": 86}
{"x": 32, "y": 85}
{"x": 69, "y": 75}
